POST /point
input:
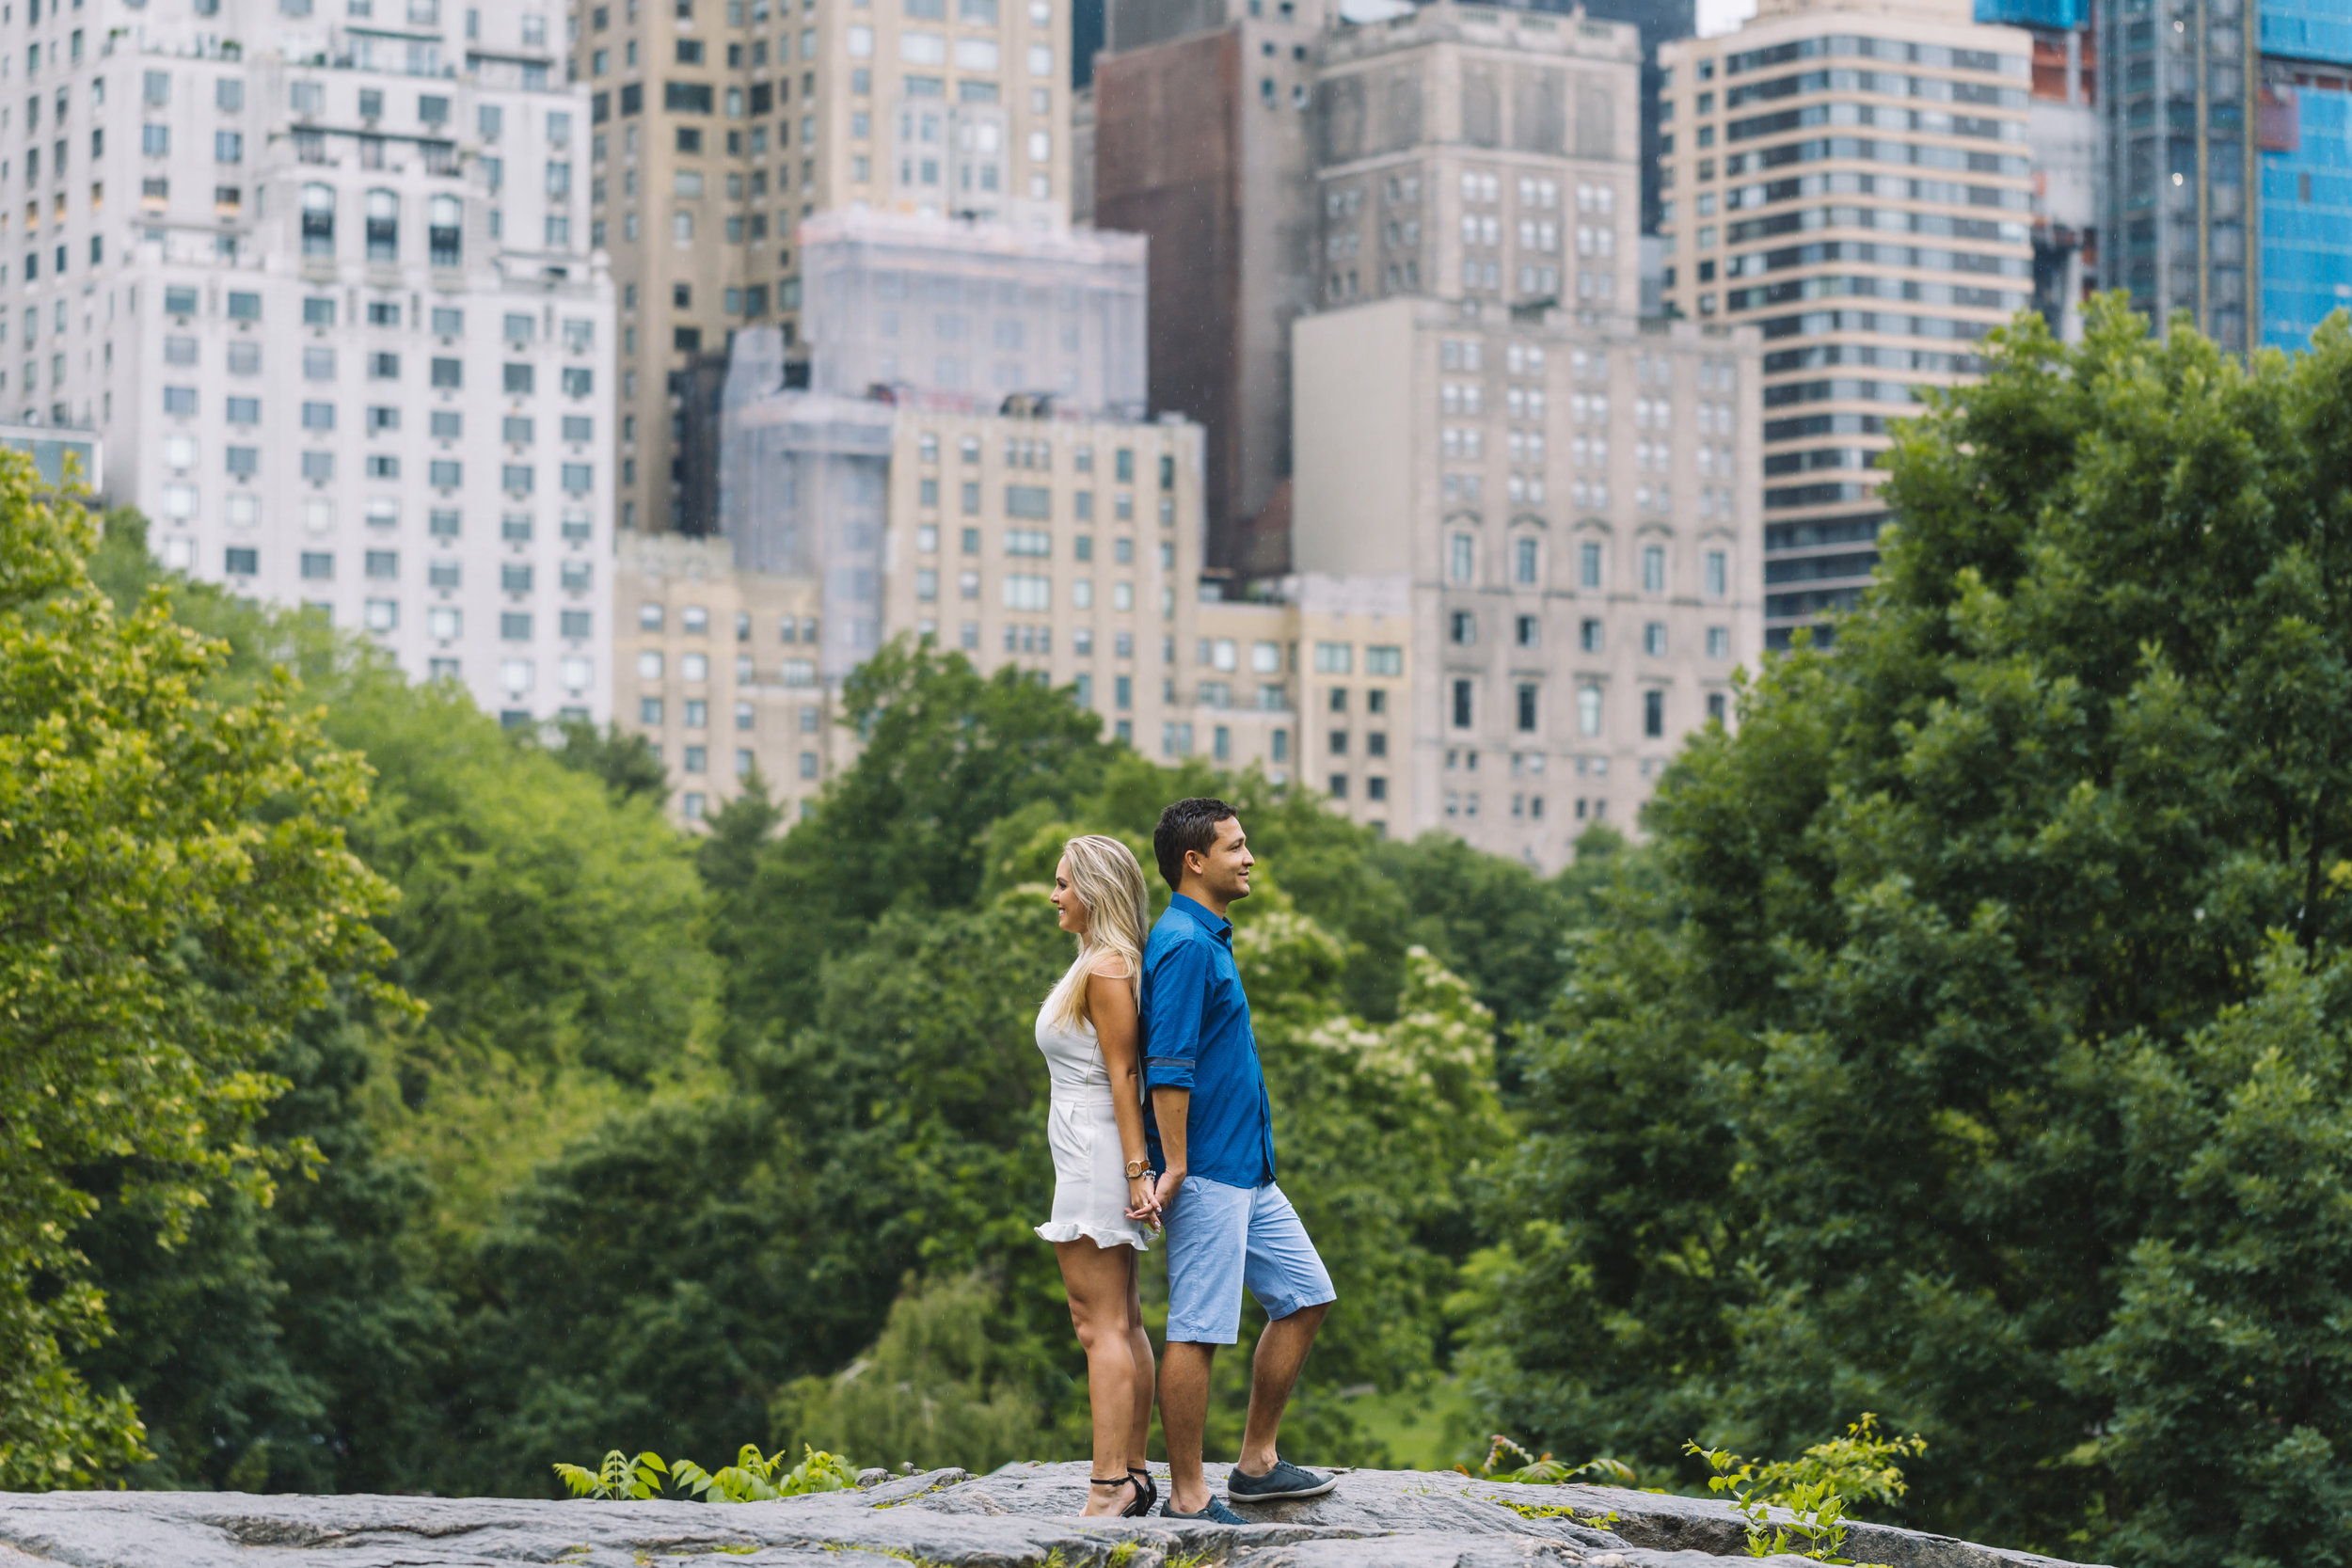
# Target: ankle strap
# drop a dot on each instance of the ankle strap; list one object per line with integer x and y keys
{"x": 1115, "y": 1481}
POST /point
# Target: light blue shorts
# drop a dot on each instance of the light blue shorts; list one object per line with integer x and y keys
{"x": 1222, "y": 1238}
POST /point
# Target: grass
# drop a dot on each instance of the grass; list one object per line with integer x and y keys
{"x": 1426, "y": 1429}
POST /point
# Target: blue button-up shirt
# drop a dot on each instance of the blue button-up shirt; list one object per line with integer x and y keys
{"x": 1195, "y": 1036}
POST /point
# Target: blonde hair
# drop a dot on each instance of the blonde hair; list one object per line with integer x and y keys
{"x": 1110, "y": 883}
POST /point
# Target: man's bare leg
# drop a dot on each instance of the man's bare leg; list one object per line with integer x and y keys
{"x": 1184, "y": 1416}
{"x": 1273, "y": 1372}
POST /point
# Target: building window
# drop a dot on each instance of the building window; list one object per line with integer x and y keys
{"x": 1461, "y": 558}
{"x": 1654, "y": 639}
{"x": 1588, "y": 710}
{"x": 1653, "y": 568}
{"x": 1335, "y": 658}
{"x": 1718, "y": 573}
{"x": 1654, "y": 713}
{"x": 1588, "y": 565}
{"x": 1527, "y": 708}
{"x": 1719, "y": 641}
{"x": 1462, "y": 628}
{"x": 1523, "y": 563}
{"x": 1463, "y": 710}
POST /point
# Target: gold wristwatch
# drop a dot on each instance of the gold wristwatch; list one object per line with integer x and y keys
{"x": 1137, "y": 1168}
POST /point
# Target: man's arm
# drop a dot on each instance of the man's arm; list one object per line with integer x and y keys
{"x": 1169, "y": 1107}
{"x": 1178, "y": 987}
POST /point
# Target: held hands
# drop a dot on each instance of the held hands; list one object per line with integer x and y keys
{"x": 1142, "y": 1205}
{"x": 1164, "y": 1191}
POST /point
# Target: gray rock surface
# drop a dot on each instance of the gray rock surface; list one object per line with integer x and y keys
{"x": 1022, "y": 1516}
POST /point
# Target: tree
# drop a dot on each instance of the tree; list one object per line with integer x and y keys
{"x": 178, "y": 895}
{"x": 626, "y": 763}
{"x": 946, "y": 751}
{"x": 1847, "y": 1111}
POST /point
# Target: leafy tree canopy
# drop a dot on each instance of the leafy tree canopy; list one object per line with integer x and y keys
{"x": 1972, "y": 1060}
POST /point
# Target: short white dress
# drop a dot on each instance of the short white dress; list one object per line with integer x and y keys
{"x": 1090, "y": 1163}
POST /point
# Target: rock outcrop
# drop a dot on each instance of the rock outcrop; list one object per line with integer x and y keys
{"x": 1022, "y": 1516}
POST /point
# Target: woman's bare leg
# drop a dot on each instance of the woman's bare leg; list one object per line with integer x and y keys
{"x": 1097, "y": 1281}
{"x": 1147, "y": 1375}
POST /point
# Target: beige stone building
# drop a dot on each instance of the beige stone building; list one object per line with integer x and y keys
{"x": 1478, "y": 152}
{"x": 1559, "y": 521}
{"x": 719, "y": 124}
{"x": 1065, "y": 546}
{"x": 1852, "y": 177}
{"x": 716, "y": 668}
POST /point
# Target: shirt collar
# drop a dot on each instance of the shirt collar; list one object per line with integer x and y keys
{"x": 1216, "y": 925}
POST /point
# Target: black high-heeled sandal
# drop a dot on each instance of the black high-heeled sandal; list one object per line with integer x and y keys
{"x": 1147, "y": 1493}
{"x": 1115, "y": 1481}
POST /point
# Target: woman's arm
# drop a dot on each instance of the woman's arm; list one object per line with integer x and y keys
{"x": 1111, "y": 1005}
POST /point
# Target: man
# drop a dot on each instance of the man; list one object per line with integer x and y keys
{"x": 1227, "y": 1224}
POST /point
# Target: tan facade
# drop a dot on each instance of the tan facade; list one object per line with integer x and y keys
{"x": 719, "y": 125}
{"x": 1068, "y": 548}
{"x": 1561, "y": 522}
{"x": 1855, "y": 178}
{"x": 1478, "y": 152}
{"x": 717, "y": 669}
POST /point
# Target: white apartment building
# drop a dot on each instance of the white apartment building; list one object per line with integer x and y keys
{"x": 1546, "y": 540}
{"x": 314, "y": 271}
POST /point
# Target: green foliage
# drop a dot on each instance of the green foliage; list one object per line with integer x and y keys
{"x": 1815, "y": 1490}
{"x": 1926, "y": 1075}
{"x": 626, "y": 763}
{"x": 179, "y": 893}
{"x": 937, "y": 1387}
{"x": 619, "y": 1479}
{"x": 753, "y": 1478}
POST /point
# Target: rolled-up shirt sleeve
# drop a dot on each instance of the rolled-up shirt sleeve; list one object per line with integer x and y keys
{"x": 1179, "y": 987}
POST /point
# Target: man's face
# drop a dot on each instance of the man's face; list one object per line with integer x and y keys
{"x": 1224, "y": 870}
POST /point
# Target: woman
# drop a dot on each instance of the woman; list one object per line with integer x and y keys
{"x": 1090, "y": 1032}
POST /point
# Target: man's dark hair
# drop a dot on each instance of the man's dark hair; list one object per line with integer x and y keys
{"x": 1185, "y": 826}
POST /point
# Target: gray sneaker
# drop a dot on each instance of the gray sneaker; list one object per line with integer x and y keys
{"x": 1286, "y": 1480}
{"x": 1216, "y": 1513}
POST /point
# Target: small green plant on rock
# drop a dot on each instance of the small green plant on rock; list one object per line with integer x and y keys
{"x": 1544, "y": 1470}
{"x": 753, "y": 1478}
{"x": 1816, "y": 1489}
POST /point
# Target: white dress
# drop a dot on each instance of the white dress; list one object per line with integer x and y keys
{"x": 1090, "y": 1163}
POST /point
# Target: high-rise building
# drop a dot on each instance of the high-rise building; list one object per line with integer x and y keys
{"x": 1440, "y": 151}
{"x": 1543, "y": 536}
{"x": 1854, "y": 179}
{"x": 2067, "y": 142}
{"x": 1480, "y": 153}
{"x": 2179, "y": 79}
{"x": 2303, "y": 195}
{"x": 721, "y": 124}
{"x": 1660, "y": 23}
{"x": 974, "y": 311}
{"x": 1203, "y": 141}
{"x": 320, "y": 283}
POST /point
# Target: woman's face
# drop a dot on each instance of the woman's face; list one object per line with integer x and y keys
{"x": 1073, "y": 914}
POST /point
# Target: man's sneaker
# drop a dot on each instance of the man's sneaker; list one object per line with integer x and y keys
{"x": 1216, "y": 1513}
{"x": 1284, "y": 1482}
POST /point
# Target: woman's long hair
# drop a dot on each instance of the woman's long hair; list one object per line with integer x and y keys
{"x": 1105, "y": 876}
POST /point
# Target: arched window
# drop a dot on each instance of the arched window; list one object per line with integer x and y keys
{"x": 383, "y": 225}
{"x": 441, "y": 224}
{"x": 318, "y": 220}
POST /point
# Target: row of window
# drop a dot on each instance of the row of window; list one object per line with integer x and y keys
{"x": 318, "y": 465}
{"x": 697, "y": 759}
{"x": 1590, "y": 707}
{"x": 1592, "y": 634}
{"x": 652, "y": 712}
{"x": 1032, "y": 452}
{"x": 652, "y": 665}
{"x": 1027, "y": 592}
{"x": 1037, "y": 544}
{"x": 319, "y": 364}
{"x": 515, "y": 577}
{"x": 694, "y": 621}
{"x": 517, "y": 430}
{"x": 1526, "y": 562}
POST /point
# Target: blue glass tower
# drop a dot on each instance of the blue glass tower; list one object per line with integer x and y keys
{"x": 2303, "y": 117}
